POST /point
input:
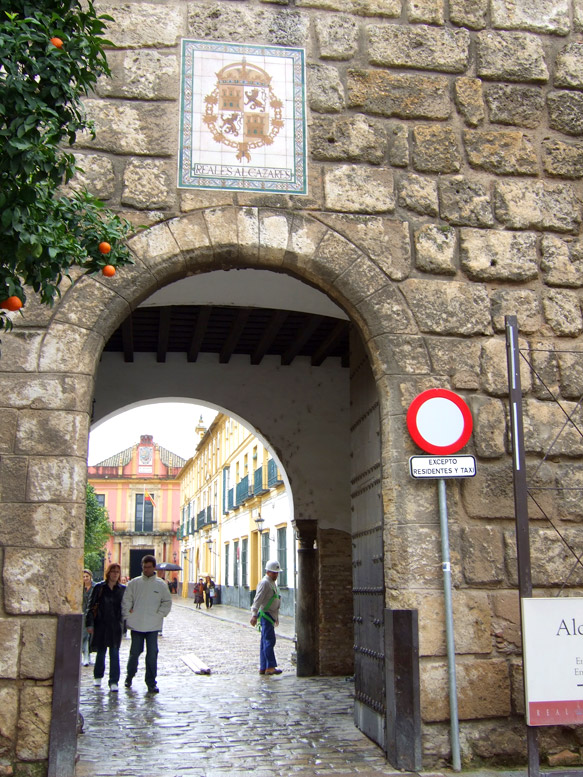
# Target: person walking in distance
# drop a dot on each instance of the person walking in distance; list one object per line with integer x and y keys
{"x": 265, "y": 608}
{"x": 146, "y": 603}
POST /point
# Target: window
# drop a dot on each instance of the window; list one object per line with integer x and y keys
{"x": 282, "y": 554}
{"x": 264, "y": 551}
{"x": 227, "y": 546}
{"x": 244, "y": 546}
{"x": 100, "y": 499}
{"x": 144, "y": 514}
{"x": 236, "y": 563}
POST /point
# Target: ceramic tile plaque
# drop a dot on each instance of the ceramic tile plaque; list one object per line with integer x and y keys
{"x": 243, "y": 118}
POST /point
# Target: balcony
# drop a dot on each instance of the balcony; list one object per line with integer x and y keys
{"x": 204, "y": 518}
{"x": 273, "y": 478}
{"x": 258, "y": 482}
{"x": 230, "y": 500}
{"x": 242, "y": 491}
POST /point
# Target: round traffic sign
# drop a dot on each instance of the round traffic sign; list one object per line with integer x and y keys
{"x": 439, "y": 421}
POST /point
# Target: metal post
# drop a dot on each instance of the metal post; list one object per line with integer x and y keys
{"x": 520, "y": 500}
{"x": 446, "y": 567}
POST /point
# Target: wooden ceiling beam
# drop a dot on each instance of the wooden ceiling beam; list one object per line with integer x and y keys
{"x": 234, "y": 334}
{"x": 302, "y": 337}
{"x": 272, "y": 328}
{"x": 323, "y": 350}
{"x": 127, "y": 339}
{"x": 198, "y": 333}
{"x": 163, "y": 333}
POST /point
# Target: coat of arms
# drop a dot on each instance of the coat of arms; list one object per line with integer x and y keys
{"x": 242, "y": 111}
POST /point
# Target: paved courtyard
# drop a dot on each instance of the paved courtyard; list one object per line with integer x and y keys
{"x": 231, "y": 722}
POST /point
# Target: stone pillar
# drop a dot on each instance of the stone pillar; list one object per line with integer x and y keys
{"x": 307, "y": 599}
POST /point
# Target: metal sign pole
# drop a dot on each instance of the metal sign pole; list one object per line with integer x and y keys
{"x": 446, "y": 567}
{"x": 520, "y": 500}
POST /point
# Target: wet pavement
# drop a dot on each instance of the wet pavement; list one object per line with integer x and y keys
{"x": 231, "y": 722}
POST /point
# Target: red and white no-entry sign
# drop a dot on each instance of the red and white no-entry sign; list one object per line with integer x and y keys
{"x": 439, "y": 421}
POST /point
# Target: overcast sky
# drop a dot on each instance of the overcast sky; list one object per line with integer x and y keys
{"x": 171, "y": 423}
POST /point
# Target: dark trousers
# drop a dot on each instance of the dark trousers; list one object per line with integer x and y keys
{"x": 266, "y": 651}
{"x": 136, "y": 650}
{"x": 99, "y": 668}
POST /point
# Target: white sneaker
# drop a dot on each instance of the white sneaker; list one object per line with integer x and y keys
{"x": 97, "y": 682}
{"x": 113, "y": 687}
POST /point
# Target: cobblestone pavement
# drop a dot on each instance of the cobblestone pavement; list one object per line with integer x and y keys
{"x": 233, "y": 722}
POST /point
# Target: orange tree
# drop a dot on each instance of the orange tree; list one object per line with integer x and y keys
{"x": 51, "y": 55}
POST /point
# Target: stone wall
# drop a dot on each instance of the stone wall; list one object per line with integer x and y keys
{"x": 445, "y": 167}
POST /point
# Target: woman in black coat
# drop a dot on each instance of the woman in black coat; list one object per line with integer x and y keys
{"x": 104, "y": 623}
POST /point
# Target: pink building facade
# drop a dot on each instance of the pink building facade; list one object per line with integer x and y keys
{"x": 140, "y": 489}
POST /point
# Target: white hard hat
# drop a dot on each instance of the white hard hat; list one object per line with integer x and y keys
{"x": 273, "y": 566}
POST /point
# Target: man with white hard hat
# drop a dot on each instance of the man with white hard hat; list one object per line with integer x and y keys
{"x": 265, "y": 608}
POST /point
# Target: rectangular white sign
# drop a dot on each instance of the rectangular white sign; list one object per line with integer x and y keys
{"x": 442, "y": 466}
{"x": 552, "y": 632}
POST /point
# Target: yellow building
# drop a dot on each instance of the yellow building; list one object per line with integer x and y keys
{"x": 235, "y": 516}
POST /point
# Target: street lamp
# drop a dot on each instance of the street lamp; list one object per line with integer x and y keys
{"x": 259, "y": 521}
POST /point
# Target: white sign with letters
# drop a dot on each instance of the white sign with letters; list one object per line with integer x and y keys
{"x": 552, "y": 631}
{"x": 442, "y": 466}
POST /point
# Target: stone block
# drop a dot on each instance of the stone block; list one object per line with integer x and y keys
{"x": 7, "y": 430}
{"x": 569, "y": 67}
{"x": 537, "y": 205}
{"x": 559, "y": 267}
{"x": 465, "y": 202}
{"x": 20, "y": 349}
{"x": 95, "y": 173}
{"x": 578, "y": 15}
{"x": 570, "y": 365}
{"x": 522, "y": 303}
{"x": 400, "y": 355}
{"x": 435, "y": 150}
{"x": 63, "y": 392}
{"x": 569, "y": 484}
{"x": 398, "y": 145}
{"x": 141, "y": 25}
{"x": 566, "y": 112}
{"x": 419, "y": 46}
{"x": 406, "y": 96}
{"x": 435, "y": 249}
{"x": 551, "y": 560}
{"x": 386, "y": 8}
{"x": 148, "y": 183}
{"x": 547, "y": 16}
{"x": 469, "y": 13}
{"x": 34, "y": 723}
{"x": 387, "y": 313}
{"x": 158, "y": 250}
{"x": 274, "y": 230}
{"x": 337, "y": 36}
{"x": 491, "y": 495}
{"x": 488, "y": 255}
{"x": 522, "y": 106}
{"x": 41, "y": 525}
{"x": 325, "y": 89}
{"x": 483, "y": 563}
{"x": 67, "y": 348}
{"x": 191, "y": 236}
{"x": 471, "y": 615}
{"x": 503, "y": 152}
{"x": 451, "y": 308}
{"x": 385, "y": 240}
{"x": 483, "y": 690}
{"x": 458, "y": 359}
{"x": 141, "y": 75}
{"x": 360, "y": 280}
{"x": 348, "y": 139}
{"x": 334, "y": 256}
{"x": 244, "y": 24}
{"x": 8, "y": 714}
{"x": 563, "y": 159}
{"x": 415, "y": 556}
{"x": 55, "y": 479}
{"x": 31, "y": 585}
{"x": 10, "y": 641}
{"x": 94, "y": 305}
{"x": 562, "y": 311}
{"x": 418, "y": 194}
{"x": 358, "y": 189}
{"x": 52, "y": 432}
{"x": 506, "y": 621}
{"x": 545, "y": 424}
{"x": 494, "y": 370}
{"x": 39, "y": 642}
{"x": 470, "y": 100}
{"x": 511, "y": 56}
{"x": 304, "y": 239}
{"x": 13, "y": 476}
{"x": 490, "y": 431}
{"x": 545, "y": 380}
{"x": 196, "y": 200}
{"x": 123, "y": 127}
{"x": 427, "y": 11}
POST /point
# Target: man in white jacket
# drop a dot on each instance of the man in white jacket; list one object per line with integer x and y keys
{"x": 146, "y": 603}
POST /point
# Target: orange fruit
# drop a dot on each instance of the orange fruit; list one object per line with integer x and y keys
{"x": 108, "y": 271}
{"x": 57, "y": 42}
{"x": 104, "y": 248}
{"x": 12, "y": 303}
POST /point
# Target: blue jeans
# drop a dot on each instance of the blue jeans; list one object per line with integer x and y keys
{"x": 266, "y": 651}
{"x": 99, "y": 668}
{"x": 136, "y": 650}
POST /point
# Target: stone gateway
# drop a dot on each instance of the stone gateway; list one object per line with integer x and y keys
{"x": 444, "y": 164}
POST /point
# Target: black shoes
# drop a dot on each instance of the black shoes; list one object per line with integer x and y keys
{"x": 153, "y": 689}
{"x": 128, "y": 682}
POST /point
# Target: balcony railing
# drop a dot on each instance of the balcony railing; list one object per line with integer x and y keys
{"x": 260, "y": 481}
{"x": 273, "y": 478}
{"x": 230, "y": 500}
{"x": 242, "y": 490}
{"x": 200, "y": 520}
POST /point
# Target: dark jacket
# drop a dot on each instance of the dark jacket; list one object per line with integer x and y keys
{"x": 107, "y": 623}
